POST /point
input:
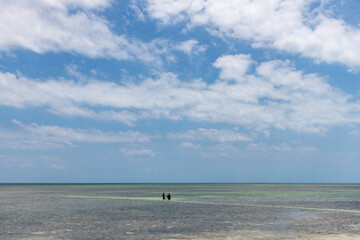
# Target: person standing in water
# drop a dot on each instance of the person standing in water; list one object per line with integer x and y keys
{"x": 163, "y": 195}
{"x": 169, "y": 196}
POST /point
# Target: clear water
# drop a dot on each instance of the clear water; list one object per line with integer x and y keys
{"x": 196, "y": 211}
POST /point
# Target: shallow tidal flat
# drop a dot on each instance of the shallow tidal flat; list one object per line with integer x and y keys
{"x": 196, "y": 211}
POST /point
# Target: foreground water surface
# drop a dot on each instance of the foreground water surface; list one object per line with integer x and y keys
{"x": 196, "y": 211}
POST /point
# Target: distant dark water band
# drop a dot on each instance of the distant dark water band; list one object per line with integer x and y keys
{"x": 214, "y": 203}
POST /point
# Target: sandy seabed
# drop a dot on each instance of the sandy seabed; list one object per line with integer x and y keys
{"x": 246, "y": 235}
{"x": 197, "y": 211}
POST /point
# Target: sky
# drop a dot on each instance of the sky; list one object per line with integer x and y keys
{"x": 105, "y": 91}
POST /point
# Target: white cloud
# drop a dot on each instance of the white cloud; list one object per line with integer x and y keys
{"x": 221, "y": 135}
{"x": 42, "y": 137}
{"x": 68, "y": 26}
{"x": 233, "y": 67}
{"x": 273, "y": 94}
{"x": 290, "y": 25}
{"x": 136, "y": 7}
{"x": 263, "y": 147}
{"x": 190, "y": 145}
{"x": 137, "y": 152}
{"x": 283, "y": 147}
{"x": 190, "y": 47}
{"x": 126, "y": 117}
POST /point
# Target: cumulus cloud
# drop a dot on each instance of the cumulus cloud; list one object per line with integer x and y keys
{"x": 68, "y": 26}
{"x": 271, "y": 95}
{"x": 288, "y": 25}
{"x": 190, "y": 47}
{"x": 42, "y": 137}
{"x": 233, "y": 67}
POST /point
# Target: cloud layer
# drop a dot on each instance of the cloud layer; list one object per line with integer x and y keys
{"x": 218, "y": 135}
{"x": 34, "y": 136}
{"x": 273, "y": 94}
{"x": 68, "y": 26}
{"x": 298, "y": 26}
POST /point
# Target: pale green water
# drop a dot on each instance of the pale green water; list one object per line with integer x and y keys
{"x": 197, "y": 211}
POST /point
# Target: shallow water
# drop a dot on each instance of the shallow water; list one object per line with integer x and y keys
{"x": 197, "y": 211}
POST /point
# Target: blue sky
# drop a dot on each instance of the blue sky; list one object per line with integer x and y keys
{"x": 179, "y": 91}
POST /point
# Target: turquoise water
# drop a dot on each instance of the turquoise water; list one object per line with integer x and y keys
{"x": 196, "y": 211}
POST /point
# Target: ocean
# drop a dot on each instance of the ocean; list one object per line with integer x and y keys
{"x": 196, "y": 211}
